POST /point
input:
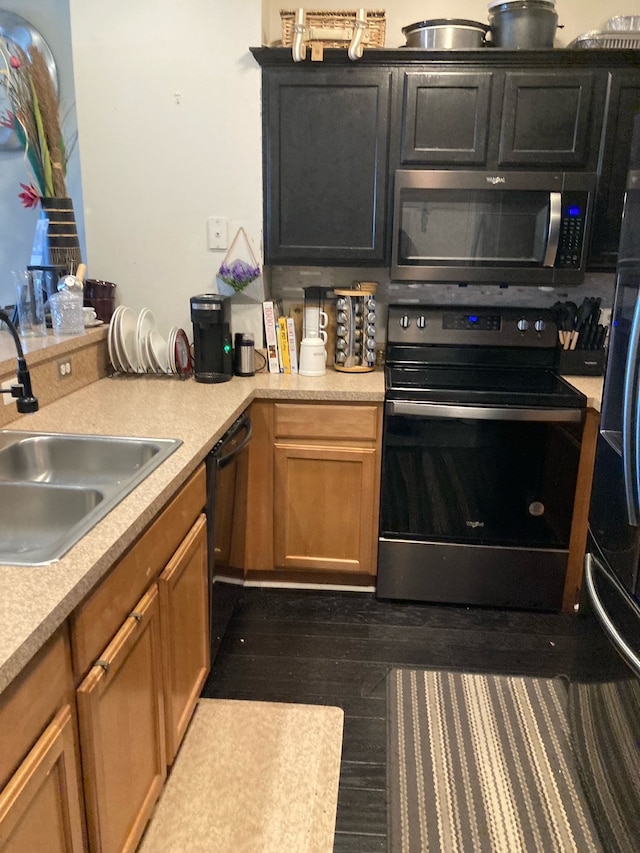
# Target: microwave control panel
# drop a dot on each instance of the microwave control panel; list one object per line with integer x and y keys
{"x": 572, "y": 227}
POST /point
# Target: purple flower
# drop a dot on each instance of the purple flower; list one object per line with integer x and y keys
{"x": 238, "y": 274}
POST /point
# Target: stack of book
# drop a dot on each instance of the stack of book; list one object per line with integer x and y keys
{"x": 280, "y": 336}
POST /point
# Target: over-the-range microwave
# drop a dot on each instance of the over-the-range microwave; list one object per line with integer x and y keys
{"x": 501, "y": 227}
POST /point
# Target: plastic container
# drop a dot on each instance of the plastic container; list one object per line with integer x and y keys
{"x": 523, "y": 24}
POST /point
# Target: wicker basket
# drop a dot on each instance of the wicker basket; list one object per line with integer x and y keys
{"x": 334, "y": 29}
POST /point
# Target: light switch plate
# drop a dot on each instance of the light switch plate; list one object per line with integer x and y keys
{"x": 217, "y": 233}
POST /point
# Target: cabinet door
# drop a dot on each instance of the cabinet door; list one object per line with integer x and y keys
{"x": 624, "y": 105}
{"x": 547, "y": 119}
{"x": 122, "y": 733}
{"x": 325, "y": 512}
{"x": 40, "y": 807}
{"x": 325, "y": 170}
{"x": 184, "y": 611}
{"x": 446, "y": 117}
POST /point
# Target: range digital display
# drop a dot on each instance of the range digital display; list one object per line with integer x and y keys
{"x": 463, "y": 322}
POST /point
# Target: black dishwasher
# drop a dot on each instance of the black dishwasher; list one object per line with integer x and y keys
{"x": 226, "y": 453}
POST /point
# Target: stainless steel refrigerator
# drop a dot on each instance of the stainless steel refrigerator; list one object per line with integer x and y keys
{"x": 605, "y": 687}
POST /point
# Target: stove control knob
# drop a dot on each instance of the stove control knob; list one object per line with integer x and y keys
{"x": 405, "y": 321}
{"x": 421, "y": 322}
{"x": 522, "y": 325}
{"x": 540, "y": 325}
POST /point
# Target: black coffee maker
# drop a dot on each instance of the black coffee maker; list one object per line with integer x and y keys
{"x": 212, "y": 351}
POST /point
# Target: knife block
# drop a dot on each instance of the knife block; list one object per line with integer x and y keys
{"x": 581, "y": 362}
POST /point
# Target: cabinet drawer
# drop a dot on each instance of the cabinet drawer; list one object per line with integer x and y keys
{"x": 330, "y": 422}
{"x": 94, "y": 623}
{"x": 30, "y": 702}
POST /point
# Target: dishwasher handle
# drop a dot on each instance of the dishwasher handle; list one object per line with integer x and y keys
{"x": 224, "y": 457}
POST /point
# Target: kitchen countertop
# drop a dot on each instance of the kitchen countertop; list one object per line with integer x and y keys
{"x": 34, "y": 601}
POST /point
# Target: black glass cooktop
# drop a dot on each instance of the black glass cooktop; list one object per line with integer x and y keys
{"x": 492, "y": 386}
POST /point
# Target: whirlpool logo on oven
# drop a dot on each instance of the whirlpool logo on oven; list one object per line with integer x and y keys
{"x": 474, "y": 524}
{"x": 495, "y": 179}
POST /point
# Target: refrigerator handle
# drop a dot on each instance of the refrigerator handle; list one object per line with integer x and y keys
{"x": 630, "y": 421}
{"x": 591, "y": 565}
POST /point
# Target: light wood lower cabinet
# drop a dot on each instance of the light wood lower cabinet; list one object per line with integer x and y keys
{"x": 184, "y": 619}
{"x": 122, "y": 736}
{"x": 313, "y": 490}
{"x": 325, "y": 519}
{"x": 41, "y": 801}
{"x": 40, "y": 808}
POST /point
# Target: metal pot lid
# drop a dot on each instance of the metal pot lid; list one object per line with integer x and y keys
{"x": 550, "y": 4}
{"x": 445, "y": 22}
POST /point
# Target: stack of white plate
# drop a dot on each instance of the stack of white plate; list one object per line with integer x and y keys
{"x": 137, "y": 346}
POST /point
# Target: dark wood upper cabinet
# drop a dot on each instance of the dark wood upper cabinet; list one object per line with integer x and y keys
{"x": 325, "y": 164}
{"x": 446, "y": 117}
{"x": 547, "y": 119}
{"x": 502, "y": 118}
{"x": 623, "y": 106}
{"x": 334, "y": 133}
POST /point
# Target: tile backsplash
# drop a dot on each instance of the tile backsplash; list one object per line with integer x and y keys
{"x": 288, "y": 283}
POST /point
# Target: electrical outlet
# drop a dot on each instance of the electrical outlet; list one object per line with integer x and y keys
{"x": 7, "y": 398}
{"x": 64, "y": 368}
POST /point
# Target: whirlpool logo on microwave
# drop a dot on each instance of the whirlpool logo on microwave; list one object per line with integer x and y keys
{"x": 495, "y": 179}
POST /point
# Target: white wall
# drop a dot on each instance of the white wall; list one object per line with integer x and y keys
{"x": 168, "y": 104}
{"x": 575, "y": 16}
{"x": 17, "y": 225}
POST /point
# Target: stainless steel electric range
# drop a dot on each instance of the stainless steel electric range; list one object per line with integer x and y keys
{"x": 481, "y": 444}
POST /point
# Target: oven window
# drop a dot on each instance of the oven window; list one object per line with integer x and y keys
{"x": 472, "y": 227}
{"x": 486, "y": 482}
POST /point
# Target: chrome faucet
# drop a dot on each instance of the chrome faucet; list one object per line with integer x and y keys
{"x": 25, "y": 401}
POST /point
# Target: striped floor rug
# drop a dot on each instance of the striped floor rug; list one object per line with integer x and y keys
{"x": 482, "y": 764}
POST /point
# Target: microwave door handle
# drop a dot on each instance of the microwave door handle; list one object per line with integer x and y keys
{"x": 553, "y": 229}
{"x": 630, "y": 421}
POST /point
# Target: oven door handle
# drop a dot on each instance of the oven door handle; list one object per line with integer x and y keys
{"x": 553, "y": 229}
{"x": 481, "y": 413}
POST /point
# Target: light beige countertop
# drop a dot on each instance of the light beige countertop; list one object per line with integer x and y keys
{"x": 34, "y": 601}
{"x": 590, "y": 386}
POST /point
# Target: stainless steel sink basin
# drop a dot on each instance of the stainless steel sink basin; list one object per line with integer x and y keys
{"x": 55, "y": 487}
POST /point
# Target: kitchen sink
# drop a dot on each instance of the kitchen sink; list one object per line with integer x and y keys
{"x": 55, "y": 487}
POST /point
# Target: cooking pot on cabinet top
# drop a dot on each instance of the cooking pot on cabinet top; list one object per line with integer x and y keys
{"x": 445, "y": 34}
{"x": 523, "y": 24}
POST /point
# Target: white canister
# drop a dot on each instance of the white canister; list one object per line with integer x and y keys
{"x": 313, "y": 357}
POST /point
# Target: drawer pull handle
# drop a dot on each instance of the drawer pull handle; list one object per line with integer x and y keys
{"x": 104, "y": 664}
{"x": 137, "y": 616}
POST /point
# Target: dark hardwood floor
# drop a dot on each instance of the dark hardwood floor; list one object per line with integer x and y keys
{"x": 336, "y": 648}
